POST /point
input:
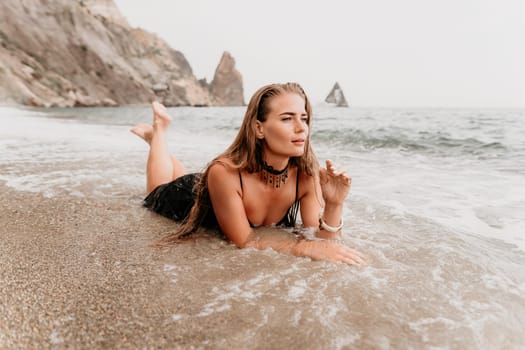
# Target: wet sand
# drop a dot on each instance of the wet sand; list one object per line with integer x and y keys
{"x": 81, "y": 274}
{"x": 75, "y": 274}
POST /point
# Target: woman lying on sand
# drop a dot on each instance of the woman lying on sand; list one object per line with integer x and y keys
{"x": 267, "y": 174}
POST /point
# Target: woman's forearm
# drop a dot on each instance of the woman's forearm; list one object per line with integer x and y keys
{"x": 332, "y": 218}
{"x": 277, "y": 239}
{"x": 284, "y": 242}
{"x": 332, "y": 214}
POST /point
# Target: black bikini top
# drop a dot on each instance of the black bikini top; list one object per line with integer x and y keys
{"x": 290, "y": 217}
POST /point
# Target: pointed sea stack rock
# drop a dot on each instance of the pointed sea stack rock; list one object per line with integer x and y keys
{"x": 226, "y": 85}
{"x": 336, "y": 97}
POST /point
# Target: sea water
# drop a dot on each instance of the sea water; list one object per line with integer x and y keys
{"x": 437, "y": 203}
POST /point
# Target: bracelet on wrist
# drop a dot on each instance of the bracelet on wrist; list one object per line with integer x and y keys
{"x": 329, "y": 228}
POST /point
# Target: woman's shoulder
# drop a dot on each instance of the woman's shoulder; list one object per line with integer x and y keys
{"x": 222, "y": 166}
{"x": 306, "y": 183}
{"x": 304, "y": 177}
{"x": 223, "y": 173}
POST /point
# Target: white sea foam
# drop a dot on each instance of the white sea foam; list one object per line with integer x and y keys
{"x": 297, "y": 291}
{"x": 469, "y": 200}
{"x": 178, "y": 317}
{"x": 345, "y": 340}
{"x": 55, "y": 338}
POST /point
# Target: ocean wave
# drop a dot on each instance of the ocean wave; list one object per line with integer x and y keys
{"x": 421, "y": 142}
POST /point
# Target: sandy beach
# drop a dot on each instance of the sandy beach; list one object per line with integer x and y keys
{"x": 82, "y": 274}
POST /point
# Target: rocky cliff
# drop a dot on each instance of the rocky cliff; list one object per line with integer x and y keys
{"x": 84, "y": 53}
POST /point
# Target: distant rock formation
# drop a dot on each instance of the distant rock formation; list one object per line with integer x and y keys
{"x": 227, "y": 82}
{"x": 336, "y": 97}
{"x": 84, "y": 53}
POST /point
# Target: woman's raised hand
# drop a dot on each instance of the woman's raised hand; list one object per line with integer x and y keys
{"x": 335, "y": 184}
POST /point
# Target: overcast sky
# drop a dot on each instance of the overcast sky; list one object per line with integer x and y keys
{"x": 384, "y": 53}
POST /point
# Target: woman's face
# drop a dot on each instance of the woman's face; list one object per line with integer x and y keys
{"x": 285, "y": 129}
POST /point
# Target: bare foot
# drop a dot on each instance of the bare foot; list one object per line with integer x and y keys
{"x": 161, "y": 119}
{"x": 144, "y": 131}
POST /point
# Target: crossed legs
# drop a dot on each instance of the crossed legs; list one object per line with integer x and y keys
{"x": 162, "y": 166}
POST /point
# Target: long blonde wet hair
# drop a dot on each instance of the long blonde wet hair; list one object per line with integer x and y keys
{"x": 246, "y": 153}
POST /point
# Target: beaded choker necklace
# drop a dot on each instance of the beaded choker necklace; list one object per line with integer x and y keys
{"x": 275, "y": 178}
